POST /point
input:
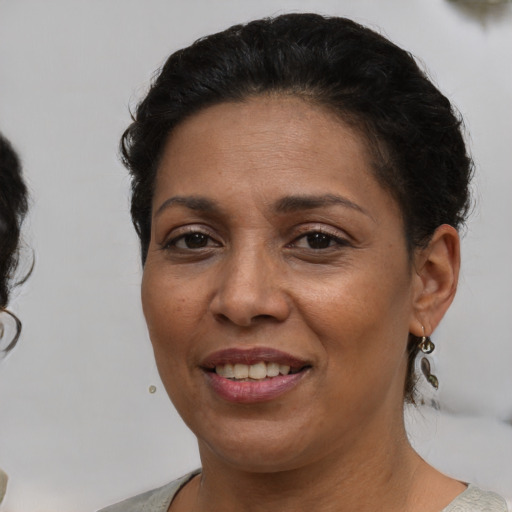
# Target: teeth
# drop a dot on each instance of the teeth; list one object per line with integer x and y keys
{"x": 258, "y": 371}
{"x": 241, "y": 371}
{"x": 272, "y": 369}
{"x": 229, "y": 371}
{"x": 284, "y": 369}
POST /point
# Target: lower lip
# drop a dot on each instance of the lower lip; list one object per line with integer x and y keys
{"x": 250, "y": 392}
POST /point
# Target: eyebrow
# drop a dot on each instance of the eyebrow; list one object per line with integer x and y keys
{"x": 292, "y": 204}
{"x": 197, "y": 203}
{"x": 288, "y": 204}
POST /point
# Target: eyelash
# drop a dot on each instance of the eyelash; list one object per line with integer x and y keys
{"x": 172, "y": 244}
{"x": 333, "y": 241}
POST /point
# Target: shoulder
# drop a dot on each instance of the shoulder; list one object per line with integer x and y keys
{"x": 156, "y": 500}
{"x": 474, "y": 499}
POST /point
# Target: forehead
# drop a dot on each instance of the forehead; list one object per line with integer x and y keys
{"x": 295, "y": 120}
{"x": 270, "y": 146}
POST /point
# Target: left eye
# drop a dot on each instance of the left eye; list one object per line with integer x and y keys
{"x": 195, "y": 240}
{"x": 317, "y": 240}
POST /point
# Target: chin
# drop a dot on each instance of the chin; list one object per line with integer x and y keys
{"x": 261, "y": 447}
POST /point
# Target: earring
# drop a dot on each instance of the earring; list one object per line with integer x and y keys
{"x": 431, "y": 378}
{"x": 427, "y": 347}
{"x": 7, "y": 328}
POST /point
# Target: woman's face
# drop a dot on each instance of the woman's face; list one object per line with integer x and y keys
{"x": 277, "y": 288}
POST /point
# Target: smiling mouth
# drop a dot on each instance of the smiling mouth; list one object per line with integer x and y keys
{"x": 253, "y": 375}
{"x": 254, "y": 372}
{"x": 253, "y": 365}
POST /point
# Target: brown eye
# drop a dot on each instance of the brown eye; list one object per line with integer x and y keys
{"x": 192, "y": 241}
{"x": 319, "y": 240}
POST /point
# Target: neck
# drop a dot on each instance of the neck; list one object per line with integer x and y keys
{"x": 373, "y": 473}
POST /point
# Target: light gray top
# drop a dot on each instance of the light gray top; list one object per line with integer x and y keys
{"x": 472, "y": 499}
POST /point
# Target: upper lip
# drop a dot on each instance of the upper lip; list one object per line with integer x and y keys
{"x": 251, "y": 356}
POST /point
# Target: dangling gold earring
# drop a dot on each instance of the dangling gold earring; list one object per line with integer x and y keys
{"x": 427, "y": 347}
{"x": 431, "y": 378}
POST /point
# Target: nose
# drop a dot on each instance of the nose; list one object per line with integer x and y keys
{"x": 250, "y": 290}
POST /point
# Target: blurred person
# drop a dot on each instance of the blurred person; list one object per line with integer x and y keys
{"x": 13, "y": 207}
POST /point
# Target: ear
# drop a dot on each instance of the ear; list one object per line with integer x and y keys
{"x": 437, "y": 273}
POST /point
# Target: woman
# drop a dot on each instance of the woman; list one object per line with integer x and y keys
{"x": 13, "y": 206}
{"x": 298, "y": 184}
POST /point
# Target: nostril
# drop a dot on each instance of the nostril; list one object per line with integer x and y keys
{"x": 220, "y": 317}
{"x": 246, "y": 308}
{"x": 263, "y": 318}
{"x": 246, "y": 322}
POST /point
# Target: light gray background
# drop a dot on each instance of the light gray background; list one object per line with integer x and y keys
{"x": 78, "y": 426}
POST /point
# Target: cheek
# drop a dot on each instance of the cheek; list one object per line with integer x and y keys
{"x": 363, "y": 334}
{"x": 167, "y": 309}
{"x": 168, "y": 303}
{"x": 361, "y": 317}
{"x": 350, "y": 303}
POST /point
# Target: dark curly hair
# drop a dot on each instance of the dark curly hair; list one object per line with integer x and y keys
{"x": 414, "y": 135}
{"x": 13, "y": 207}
